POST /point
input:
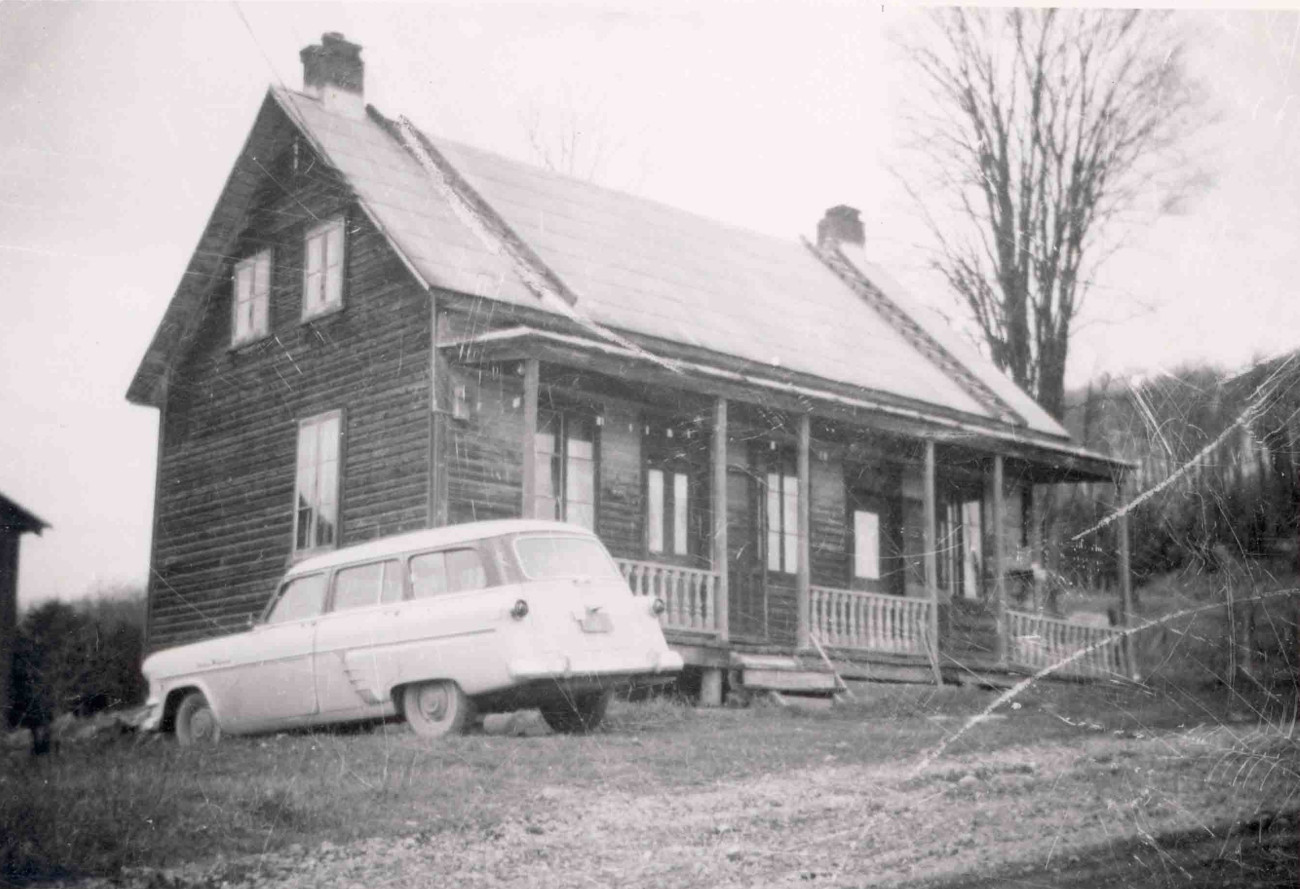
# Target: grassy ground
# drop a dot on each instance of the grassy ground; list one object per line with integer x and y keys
{"x": 671, "y": 795}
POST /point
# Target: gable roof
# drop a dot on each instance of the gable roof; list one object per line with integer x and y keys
{"x": 14, "y": 518}
{"x": 634, "y": 265}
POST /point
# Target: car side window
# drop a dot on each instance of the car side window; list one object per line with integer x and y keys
{"x": 301, "y": 598}
{"x": 449, "y": 571}
{"x": 363, "y": 585}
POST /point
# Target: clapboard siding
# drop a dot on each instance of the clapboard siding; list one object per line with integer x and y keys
{"x": 620, "y": 512}
{"x": 782, "y": 609}
{"x": 828, "y": 510}
{"x": 484, "y": 459}
{"x": 227, "y": 471}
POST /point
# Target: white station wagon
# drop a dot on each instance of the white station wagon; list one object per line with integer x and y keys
{"x": 433, "y": 626}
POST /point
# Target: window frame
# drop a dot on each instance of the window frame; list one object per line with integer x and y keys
{"x": 322, "y": 231}
{"x": 490, "y": 577}
{"x": 318, "y": 420}
{"x": 326, "y": 594}
{"x": 332, "y": 602}
{"x": 782, "y": 465}
{"x": 236, "y": 302}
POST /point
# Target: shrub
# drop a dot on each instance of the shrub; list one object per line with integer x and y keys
{"x": 77, "y": 659}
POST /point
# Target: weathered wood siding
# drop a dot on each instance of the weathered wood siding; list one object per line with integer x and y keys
{"x": 227, "y": 472}
{"x": 484, "y": 458}
{"x": 913, "y": 499}
{"x": 830, "y": 548}
{"x": 620, "y": 516}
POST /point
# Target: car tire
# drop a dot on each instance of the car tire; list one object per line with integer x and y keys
{"x": 194, "y": 722}
{"x": 577, "y": 715}
{"x": 436, "y": 709}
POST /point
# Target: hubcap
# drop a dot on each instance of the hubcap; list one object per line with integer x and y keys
{"x": 202, "y": 725}
{"x": 433, "y": 702}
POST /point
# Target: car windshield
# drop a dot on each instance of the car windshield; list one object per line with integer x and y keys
{"x": 545, "y": 558}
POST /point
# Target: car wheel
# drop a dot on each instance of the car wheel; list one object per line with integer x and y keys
{"x": 576, "y": 715}
{"x": 195, "y": 723}
{"x": 436, "y": 709}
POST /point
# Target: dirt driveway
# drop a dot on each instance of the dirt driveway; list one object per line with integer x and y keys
{"x": 1060, "y": 792}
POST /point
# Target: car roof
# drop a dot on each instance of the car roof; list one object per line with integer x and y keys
{"x": 426, "y": 538}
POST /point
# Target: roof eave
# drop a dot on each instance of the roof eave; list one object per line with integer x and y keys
{"x": 1073, "y": 462}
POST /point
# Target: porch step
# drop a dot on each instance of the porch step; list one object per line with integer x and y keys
{"x": 781, "y": 673}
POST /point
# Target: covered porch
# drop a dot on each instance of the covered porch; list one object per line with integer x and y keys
{"x": 786, "y": 529}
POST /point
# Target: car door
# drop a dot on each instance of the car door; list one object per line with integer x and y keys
{"x": 276, "y": 680}
{"x": 353, "y": 639}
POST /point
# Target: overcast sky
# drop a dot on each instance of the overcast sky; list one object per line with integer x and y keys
{"x": 121, "y": 122}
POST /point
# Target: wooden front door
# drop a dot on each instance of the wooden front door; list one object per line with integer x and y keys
{"x": 745, "y": 575}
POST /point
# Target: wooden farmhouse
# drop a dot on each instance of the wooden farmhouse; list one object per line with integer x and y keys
{"x": 381, "y": 331}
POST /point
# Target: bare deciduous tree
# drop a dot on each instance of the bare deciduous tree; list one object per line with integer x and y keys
{"x": 1050, "y": 132}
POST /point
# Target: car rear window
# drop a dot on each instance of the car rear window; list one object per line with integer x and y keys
{"x": 544, "y": 558}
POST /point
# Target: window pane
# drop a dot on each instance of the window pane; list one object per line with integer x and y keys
{"x": 866, "y": 545}
{"x": 302, "y": 598}
{"x": 581, "y": 514}
{"x": 681, "y": 500}
{"x": 334, "y": 286}
{"x": 773, "y": 522}
{"x": 262, "y": 274}
{"x": 542, "y": 558}
{"x": 546, "y": 508}
{"x": 259, "y": 313}
{"x": 305, "y": 531}
{"x": 315, "y": 247}
{"x": 791, "y": 523}
{"x": 465, "y": 571}
{"x": 655, "y": 512}
{"x": 428, "y": 575}
{"x": 329, "y": 439}
{"x": 334, "y": 245}
{"x": 580, "y": 481}
{"x": 392, "y": 591}
{"x": 357, "y": 587}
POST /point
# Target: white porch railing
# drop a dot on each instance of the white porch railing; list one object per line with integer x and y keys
{"x": 869, "y": 621}
{"x": 691, "y": 594}
{"x": 1037, "y": 642}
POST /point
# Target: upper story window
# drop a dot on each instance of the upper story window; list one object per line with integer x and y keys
{"x": 316, "y": 515}
{"x": 566, "y": 468}
{"x": 322, "y": 269}
{"x": 252, "y": 297}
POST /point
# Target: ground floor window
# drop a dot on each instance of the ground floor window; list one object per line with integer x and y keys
{"x": 961, "y": 548}
{"x": 782, "y": 521}
{"x": 316, "y": 515}
{"x": 566, "y": 468}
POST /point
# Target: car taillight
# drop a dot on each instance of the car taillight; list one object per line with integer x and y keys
{"x": 657, "y": 607}
{"x": 520, "y": 609}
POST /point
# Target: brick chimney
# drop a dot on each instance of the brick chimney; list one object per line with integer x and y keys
{"x": 333, "y": 72}
{"x": 841, "y": 226}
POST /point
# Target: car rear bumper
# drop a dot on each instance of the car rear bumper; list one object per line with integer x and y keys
{"x": 614, "y": 666}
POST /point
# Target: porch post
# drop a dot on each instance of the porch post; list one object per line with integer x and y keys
{"x": 803, "y": 575}
{"x": 999, "y": 559}
{"x": 532, "y": 376}
{"x": 1125, "y": 578}
{"x": 720, "y": 515}
{"x": 931, "y": 544}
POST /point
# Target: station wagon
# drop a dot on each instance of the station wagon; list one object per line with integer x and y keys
{"x": 432, "y": 626}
